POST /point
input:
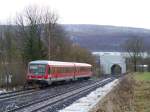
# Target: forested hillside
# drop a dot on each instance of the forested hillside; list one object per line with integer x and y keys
{"x": 105, "y": 38}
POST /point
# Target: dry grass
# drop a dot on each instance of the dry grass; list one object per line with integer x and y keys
{"x": 131, "y": 95}
{"x": 142, "y": 97}
{"x": 120, "y": 99}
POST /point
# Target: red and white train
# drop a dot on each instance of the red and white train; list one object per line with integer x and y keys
{"x": 46, "y": 72}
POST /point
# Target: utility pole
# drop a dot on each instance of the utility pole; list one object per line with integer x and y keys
{"x": 49, "y": 35}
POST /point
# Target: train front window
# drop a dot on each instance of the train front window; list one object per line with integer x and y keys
{"x": 37, "y": 69}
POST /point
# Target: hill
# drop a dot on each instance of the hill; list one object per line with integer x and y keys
{"x": 105, "y": 38}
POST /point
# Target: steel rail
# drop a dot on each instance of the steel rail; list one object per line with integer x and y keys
{"x": 35, "y": 105}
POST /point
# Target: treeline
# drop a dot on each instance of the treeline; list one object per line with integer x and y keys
{"x": 139, "y": 58}
{"x": 36, "y": 35}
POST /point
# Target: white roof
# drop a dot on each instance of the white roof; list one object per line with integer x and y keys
{"x": 59, "y": 63}
{"x": 82, "y": 64}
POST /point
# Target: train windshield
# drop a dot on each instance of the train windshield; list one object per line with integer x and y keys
{"x": 37, "y": 69}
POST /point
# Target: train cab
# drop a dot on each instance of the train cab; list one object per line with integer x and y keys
{"x": 38, "y": 72}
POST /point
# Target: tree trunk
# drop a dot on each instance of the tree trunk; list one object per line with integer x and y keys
{"x": 135, "y": 62}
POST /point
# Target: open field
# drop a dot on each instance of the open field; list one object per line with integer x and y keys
{"x": 131, "y": 95}
{"x": 142, "y": 92}
{"x": 142, "y": 76}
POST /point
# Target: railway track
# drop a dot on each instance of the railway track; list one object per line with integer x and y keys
{"x": 22, "y": 93}
{"x": 15, "y": 93}
{"x": 51, "y": 100}
{"x": 13, "y": 102}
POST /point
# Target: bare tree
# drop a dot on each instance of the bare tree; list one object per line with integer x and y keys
{"x": 30, "y": 29}
{"x": 135, "y": 48}
{"x": 50, "y": 22}
{"x": 36, "y": 35}
{"x": 42, "y": 24}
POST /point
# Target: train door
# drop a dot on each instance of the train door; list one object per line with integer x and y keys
{"x": 53, "y": 73}
{"x": 74, "y": 75}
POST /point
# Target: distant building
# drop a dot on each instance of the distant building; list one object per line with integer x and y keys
{"x": 111, "y": 61}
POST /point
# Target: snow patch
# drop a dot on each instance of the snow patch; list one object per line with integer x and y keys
{"x": 86, "y": 103}
{"x": 3, "y": 91}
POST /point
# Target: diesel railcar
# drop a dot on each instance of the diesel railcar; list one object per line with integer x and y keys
{"x": 46, "y": 72}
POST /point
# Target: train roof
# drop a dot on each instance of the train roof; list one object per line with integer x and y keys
{"x": 59, "y": 63}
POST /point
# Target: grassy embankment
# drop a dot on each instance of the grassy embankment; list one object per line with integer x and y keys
{"x": 131, "y": 95}
{"x": 142, "y": 92}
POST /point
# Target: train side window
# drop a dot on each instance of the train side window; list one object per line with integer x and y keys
{"x": 55, "y": 70}
{"x": 49, "y": 70}
{"x": 62, "y": 70}
{"x": 59, "y": 70}
{"x": 52, "y": 70}
{"x": 79, "y": 69}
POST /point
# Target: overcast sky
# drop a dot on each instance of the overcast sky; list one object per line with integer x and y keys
{"x": 133, "y": 13}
